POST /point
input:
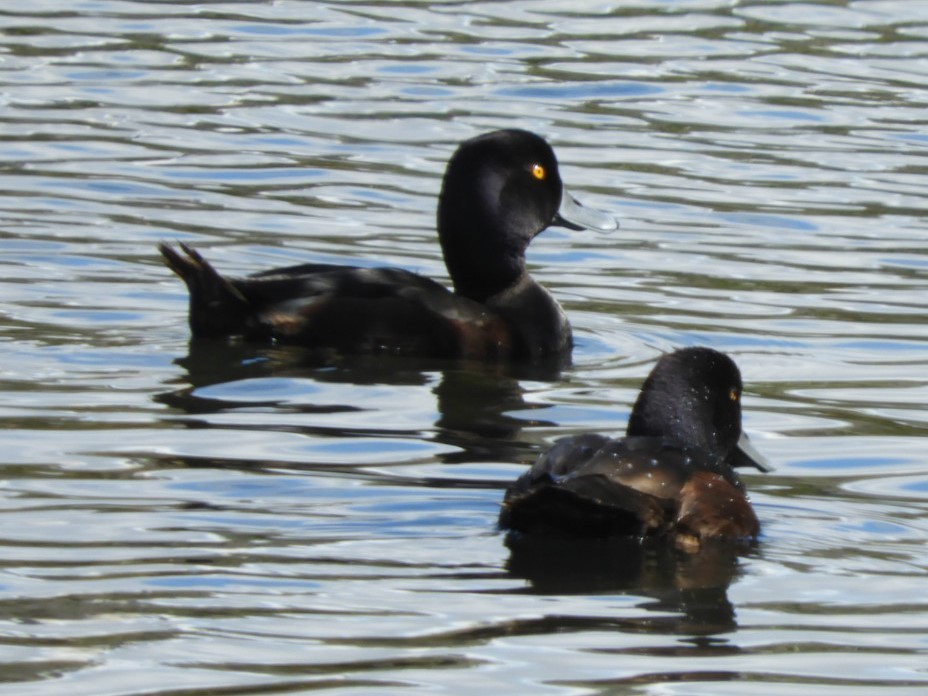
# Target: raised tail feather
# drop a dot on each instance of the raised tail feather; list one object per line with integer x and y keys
{"x": 217, "y": 307}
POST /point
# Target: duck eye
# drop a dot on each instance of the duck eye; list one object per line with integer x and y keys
{"x": 539, "y": 172}
{"x": 734, "y": 394}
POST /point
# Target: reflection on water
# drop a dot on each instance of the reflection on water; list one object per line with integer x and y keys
{"x": 474, "y": 401}
{"x": 689, "y": 591}
{"x": 215, "y": 519}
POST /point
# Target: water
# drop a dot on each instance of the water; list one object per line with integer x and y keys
{"x": 237, "y": 521}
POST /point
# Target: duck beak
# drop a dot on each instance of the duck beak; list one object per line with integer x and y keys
{"x": 574, "y": 216}
{"x": 746, "y": 455}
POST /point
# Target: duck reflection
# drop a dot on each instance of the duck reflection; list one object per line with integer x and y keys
{"x": 477, "y": 407}
{"x": 476, "y": 403}
{"x": 689, "y": 591}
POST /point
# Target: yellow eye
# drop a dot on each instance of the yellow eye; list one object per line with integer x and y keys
{"x": 734, "y": 395}
{"x": 539, "y": 172}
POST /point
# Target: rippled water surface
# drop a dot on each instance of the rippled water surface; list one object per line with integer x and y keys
{"x": 181, "y": 520}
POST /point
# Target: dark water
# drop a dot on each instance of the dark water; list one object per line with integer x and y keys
{"x": 238, "y": 521}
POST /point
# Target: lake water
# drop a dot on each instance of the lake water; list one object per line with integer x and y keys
{"x": 233, "y": 520}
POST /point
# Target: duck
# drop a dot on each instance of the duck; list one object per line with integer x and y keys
{"x": 671, "y": 477}
{"x": 499, "y": 191}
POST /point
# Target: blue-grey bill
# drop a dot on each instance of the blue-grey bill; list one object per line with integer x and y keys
{"x": 575, "y": 216}
{"x": 746, "y": 455}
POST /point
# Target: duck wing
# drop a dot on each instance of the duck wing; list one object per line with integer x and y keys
{"x": 348, "y": 309}
{"x": 591, "y": 485}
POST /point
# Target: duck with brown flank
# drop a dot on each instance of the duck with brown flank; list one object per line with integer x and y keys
{"x": 672, "y": 475}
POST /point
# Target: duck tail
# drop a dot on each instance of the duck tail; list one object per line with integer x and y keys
{"x": 217, "y": 307}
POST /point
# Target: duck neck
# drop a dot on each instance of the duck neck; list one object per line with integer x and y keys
{"x": 479, "y": 260}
